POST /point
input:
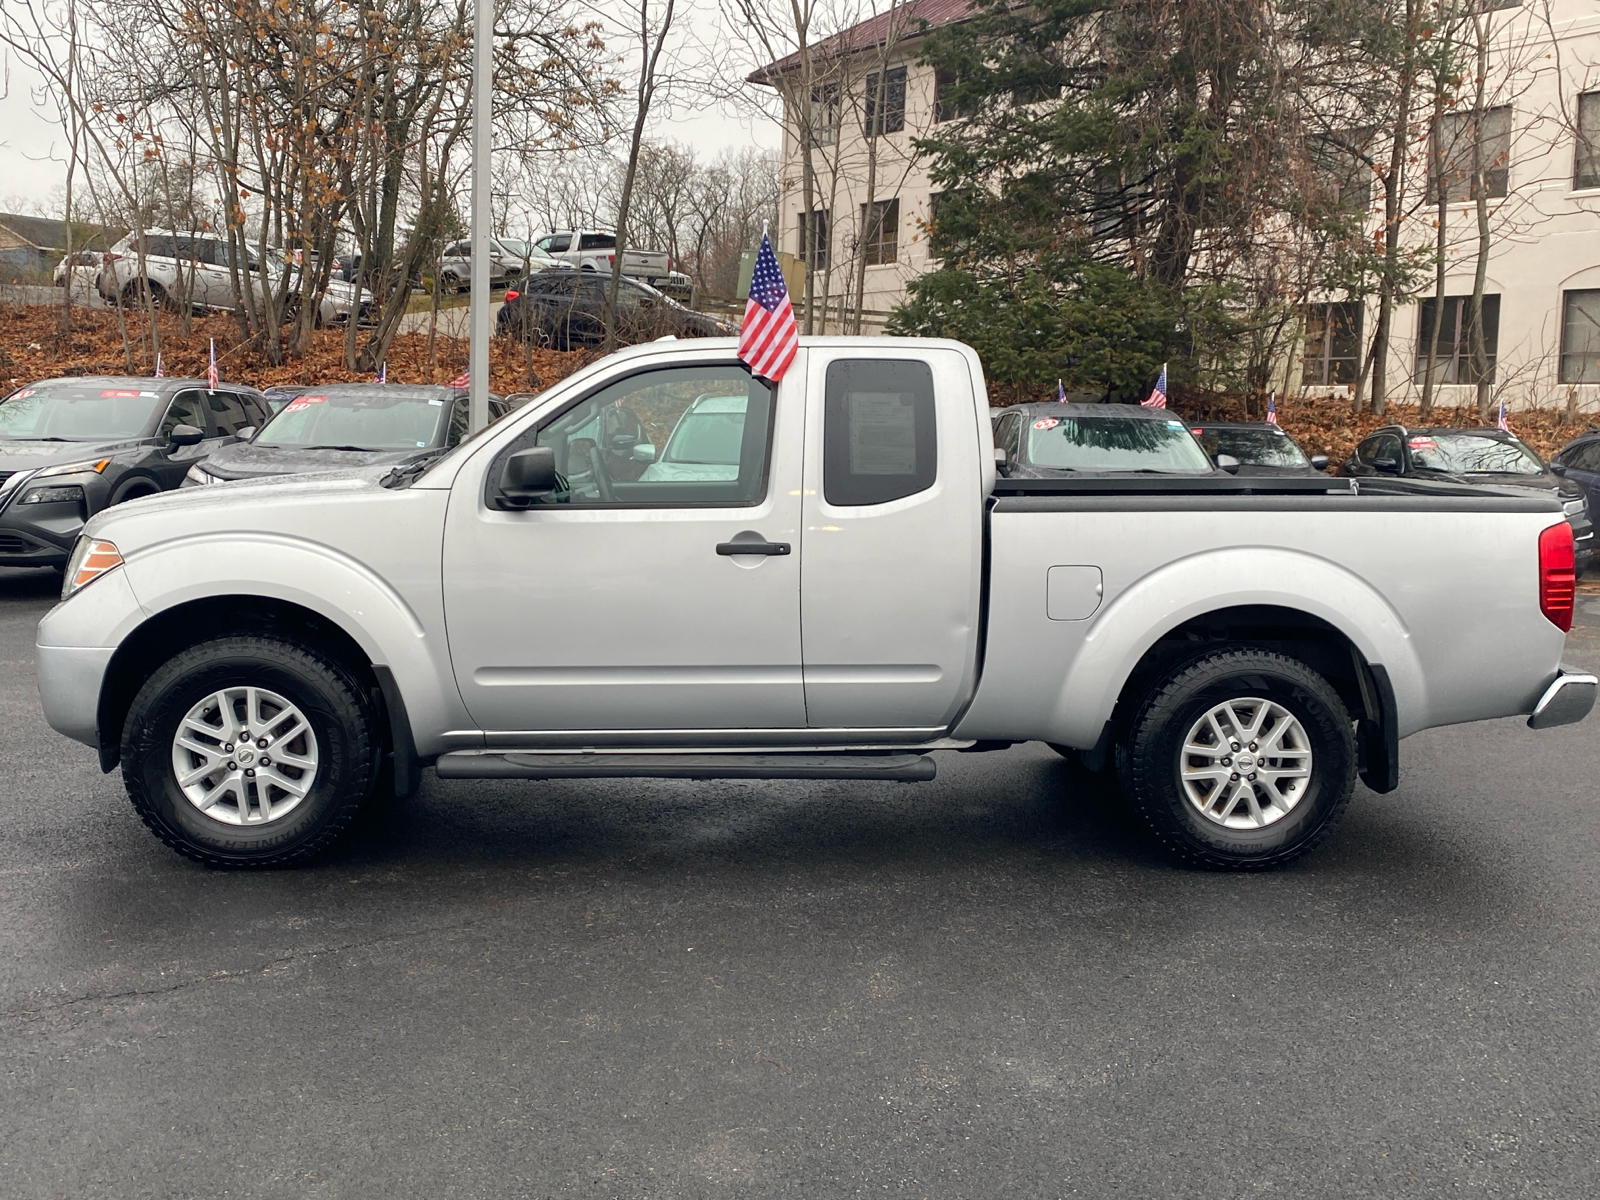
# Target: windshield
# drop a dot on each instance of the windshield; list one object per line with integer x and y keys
{"x": 367, "y": 421}
{"x": 1471, "y": 453}
{"x": 78, "y": 412}
{"x": 1114, "y": 443}
{"x": 1254, "y": 447}
{"x": 711, "y": 432}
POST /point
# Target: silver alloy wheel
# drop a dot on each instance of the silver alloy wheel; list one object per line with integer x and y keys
{"x": 244, "y": 756}
{"x": 1246, "y": 763}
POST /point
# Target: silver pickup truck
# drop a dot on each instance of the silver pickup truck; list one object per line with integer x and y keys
{"x": 665, "y": 567}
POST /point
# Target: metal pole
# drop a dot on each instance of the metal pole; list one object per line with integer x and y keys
{"x": 478, "y": 310}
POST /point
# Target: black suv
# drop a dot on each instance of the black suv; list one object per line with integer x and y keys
{"x": 70, "y": 447}
{"x": 1475, "y": 457}
{"x": 565, "y": 309}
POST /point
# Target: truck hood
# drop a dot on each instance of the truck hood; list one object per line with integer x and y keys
{"x": 238, "y": 504}
{"x": 30, "y": 456}
{"x": 246, "y": 460}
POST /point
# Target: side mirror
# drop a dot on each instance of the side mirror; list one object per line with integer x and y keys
{"x": 1319, "y": 462}
{"x": 184, "y": 435}
{"x": 999, "y": 456}
{"x": 526, "y": 475}
{"x": 1390, "y": 466}
{"x": 1558, "y": 468}
{"x": 245, "y": 434}
{"x": 1228, "y": 463}
{"x": 644, "y": 452}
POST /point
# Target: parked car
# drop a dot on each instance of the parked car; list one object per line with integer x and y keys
{"x": 343, "y": 426}
{"x": 279, "y": 395}
{"x": 591, "y": 250}
{"x": 1578, "y": 462}
{"x": 83, "y": 271}
{"x": 508, "y": 258}
{"x": 861, "y": 595}
{"x": 178, "y": 269}
{"x": 71, "y": 447}
{"x": 1259, "y": 448}
{"x": 1472, "y": 457}
{"x": 1050, "y": 439}
{"x": 564, "y": 308}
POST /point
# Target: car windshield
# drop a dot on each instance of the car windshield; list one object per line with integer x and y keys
{"x": 1254, "y": 447}
{"x": 78, "y": 412}
{"x": 365, "y": 420}
{"x": 1112, "y": 443}
{"x": 710, "y": 433}
{"x": 1472, "y": 454}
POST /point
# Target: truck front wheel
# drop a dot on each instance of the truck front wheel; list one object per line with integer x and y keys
{"x": 249, "y": 751}
{"x": 1240, "y": 760}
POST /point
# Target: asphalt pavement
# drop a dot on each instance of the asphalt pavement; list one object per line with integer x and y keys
{"x": 987, "y": 986}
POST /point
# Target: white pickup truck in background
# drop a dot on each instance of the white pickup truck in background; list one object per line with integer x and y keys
{"x": 594, "y": 251}
{"x": 665, "y": 567}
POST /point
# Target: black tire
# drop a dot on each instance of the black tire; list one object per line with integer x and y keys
{"x": 1150, "y": 758}
{"x": 324, "y": 691}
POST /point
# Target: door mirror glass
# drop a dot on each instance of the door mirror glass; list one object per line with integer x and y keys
{"x": 1228, "y": 463}
{"x": 526, "y": 475}
{"x": 644, "y": 452}
{"x": 184, "y": 435}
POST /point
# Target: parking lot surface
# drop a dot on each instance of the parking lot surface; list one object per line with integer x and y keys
{"x": 990, "y": 985}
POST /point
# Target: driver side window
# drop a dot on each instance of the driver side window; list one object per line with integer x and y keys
{"x": 187, "y": 408}
{"x": 674, "y": 436}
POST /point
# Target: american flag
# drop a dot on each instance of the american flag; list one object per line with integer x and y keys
{"x": 383, "y": 373}
{"x": 159, "y": 374}
{"x": 768, "y": 337}
{"x": 1061, "y": 393}
{"x": 1501, "y": 423}
{"x": 1158, "y": 394}
{"x": 460, "y": 381}
{"x": 1272, "y": 408}
{"x": 211, "y": 367}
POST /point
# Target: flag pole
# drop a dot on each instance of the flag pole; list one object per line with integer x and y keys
{"x": 478, "y": 303}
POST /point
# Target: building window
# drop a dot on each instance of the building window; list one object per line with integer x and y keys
{"x": 880, "y": 225}
{"x": 1456, "y": 133}
{"x": 944, "y": 87}
{"x": 814, "y": 239}
{"x": 892, "y": 118}
{"x": 1341, "y": 170}
{"x": 1580, "y": 337}
{"x": 1586, "y": 170}
{"x": 1453, "y": 353}
{"x": 824, "y": 114}
{"x": 1333, "y": 344}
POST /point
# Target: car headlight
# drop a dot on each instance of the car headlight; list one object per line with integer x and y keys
{"x": 90, "y": 560}
{"x": 1573, "y": 506}
{"x": 97, "y": 465}
{"x": 60, "y": 494}
{"x": 196, "y": 475}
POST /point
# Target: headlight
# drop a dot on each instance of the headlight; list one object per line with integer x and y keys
{"x": 60, "y": 494}
{"x": 1573, "y": 506}
{"x": 90, "y": 560}
{"x": 97, "y": 465}
{"x": 196, "y": 475}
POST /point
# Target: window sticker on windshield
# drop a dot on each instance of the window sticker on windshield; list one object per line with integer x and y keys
{"x": 1046, "y": 423}
{"x": 300, "y": 402}
{"x": 1174, "y": 424}
{"x": 23, "y": 394}
{"x": 119, "y": 394}
{"x": 1422, "y": 443}
{"x": 436, "y": 403}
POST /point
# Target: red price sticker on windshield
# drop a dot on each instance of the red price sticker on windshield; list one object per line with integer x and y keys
{"x": 1046, "y": 423}
{"x": 25, "y": 392}
{"x": 1422, "y": 443}
{"x": 300, "y": 402}
{"x": 118, "y": 394}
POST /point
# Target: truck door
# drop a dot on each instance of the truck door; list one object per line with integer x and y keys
{"x": 890, "y": 586}
{"x": 623, "y": 603}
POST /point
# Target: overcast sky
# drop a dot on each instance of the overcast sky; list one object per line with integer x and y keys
{"x": 32, "y": 170}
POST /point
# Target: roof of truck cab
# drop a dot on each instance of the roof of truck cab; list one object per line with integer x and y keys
{"x": 1132, "y": 412}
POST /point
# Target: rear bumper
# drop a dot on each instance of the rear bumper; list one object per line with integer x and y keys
{"x": 1568, "y": 699}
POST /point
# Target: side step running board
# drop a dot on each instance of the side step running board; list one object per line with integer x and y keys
{"x": 510, "y": 764}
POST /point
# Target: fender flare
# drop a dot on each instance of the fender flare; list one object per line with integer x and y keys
{"x": 349, "y": 595}
{"x": 1123, "y": 632}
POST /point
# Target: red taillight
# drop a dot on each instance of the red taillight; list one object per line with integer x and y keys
{"x": 1557, "y": 580}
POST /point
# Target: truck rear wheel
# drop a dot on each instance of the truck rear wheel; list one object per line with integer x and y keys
{"x": 249, "y": 752}
{"x": 1240, "y": 760}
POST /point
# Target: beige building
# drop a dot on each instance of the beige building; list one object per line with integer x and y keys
{"x": 869, "y": 99}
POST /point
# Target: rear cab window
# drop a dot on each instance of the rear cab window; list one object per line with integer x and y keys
{"x": 880, "y": 440}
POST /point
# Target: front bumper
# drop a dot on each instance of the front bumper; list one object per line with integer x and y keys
{"x": 39, "y": 535}
{"x": 69, "y": 688}
{"x": 1568, "y": 699}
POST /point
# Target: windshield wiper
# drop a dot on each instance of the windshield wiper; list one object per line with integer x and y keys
{"x": 364, "y": 449}
{"x": 403, "y": 475}
{"x": 24, "y": 438}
